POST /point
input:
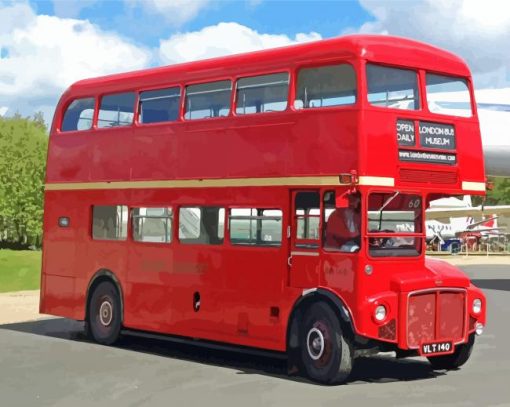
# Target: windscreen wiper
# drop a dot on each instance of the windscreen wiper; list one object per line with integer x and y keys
{"x": 385, "y": 204}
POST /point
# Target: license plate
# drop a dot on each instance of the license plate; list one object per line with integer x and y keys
{"x": 437, "y": 348}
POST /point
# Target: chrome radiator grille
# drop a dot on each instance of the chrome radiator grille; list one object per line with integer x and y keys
{"x": 435, "y": 315}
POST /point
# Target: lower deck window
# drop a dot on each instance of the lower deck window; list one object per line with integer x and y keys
{"x": 152, "y": 225}
{"x": 201, "y": 225}
{"x": 109, "y": 222}
{"x": 255, "y": 227}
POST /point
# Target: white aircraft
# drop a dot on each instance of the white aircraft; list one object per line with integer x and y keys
{"x": 449, "y": 217}
{"x": 494, "y": 115}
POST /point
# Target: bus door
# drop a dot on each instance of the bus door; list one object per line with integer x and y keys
{"x": 149, "y": 297}
{"x": 304, "y": 260}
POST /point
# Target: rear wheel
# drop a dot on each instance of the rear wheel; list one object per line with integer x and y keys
{"x": 326, "y": 353}
{"x": 456, "y": 359}
{"x": 104, "y": 317}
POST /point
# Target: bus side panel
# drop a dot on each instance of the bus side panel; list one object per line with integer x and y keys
{"x": 254, "y": 293}
{"x": 58, "y": 297}
{"x": 281, "y": 144}
{"x": 61, "y": 247}
{"x": 71, "y": 256}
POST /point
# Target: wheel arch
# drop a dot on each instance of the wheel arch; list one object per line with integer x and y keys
{"x": 309, "y": 297}
{"x": 100, "y": 276}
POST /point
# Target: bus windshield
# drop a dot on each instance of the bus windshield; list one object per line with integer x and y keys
{"x": 394, "y": 224}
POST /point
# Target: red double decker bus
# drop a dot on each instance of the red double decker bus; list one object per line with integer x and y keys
{"x": 274, "y": 200}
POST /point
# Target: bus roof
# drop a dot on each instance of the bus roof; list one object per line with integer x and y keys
{"x": 378, "y": 48}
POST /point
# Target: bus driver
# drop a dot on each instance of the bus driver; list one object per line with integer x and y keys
{"x": 343, "y": 226}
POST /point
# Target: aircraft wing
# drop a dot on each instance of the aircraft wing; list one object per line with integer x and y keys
{"x": 471, "y": 226}
{"x": 474, "y": 212}
{"x": 482, "y": 231}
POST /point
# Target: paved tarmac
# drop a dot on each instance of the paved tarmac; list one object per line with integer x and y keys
{"x": 50, "y": 363}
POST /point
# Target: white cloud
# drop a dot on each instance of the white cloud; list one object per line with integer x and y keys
{"x": 14, "y": 15}
{"x": 3, "y": 110}
{"x": 43, "y": 55}
{"x": 478, "y": 31}
{"x": 71, "y": 8}
{"x": 223, "y": 39}
{"x": 176, "y": 12}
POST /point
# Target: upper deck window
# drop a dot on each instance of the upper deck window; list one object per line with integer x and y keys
{"x": 392, "y": 87}
{"x": 448, "y": 95}
{"x": 116, "y": 110}
{"x": 79, "y": 115}
{"x": 208, "y": 100}
{"x": 259, "y": 94}
{"x": 160, "y": 105}
{"x": 331, "y": 85}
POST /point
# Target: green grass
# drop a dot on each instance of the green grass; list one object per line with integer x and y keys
{"x": 19, "y": 270}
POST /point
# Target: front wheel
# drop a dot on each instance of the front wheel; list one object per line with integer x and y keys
{"x": 326, "y": 353}
{"x": 104, "y": 318}
{"x": 456, "y": 359}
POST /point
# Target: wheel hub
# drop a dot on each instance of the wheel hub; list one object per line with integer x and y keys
{"x": 106, "y": 313}
{"x": 315, "y": 343}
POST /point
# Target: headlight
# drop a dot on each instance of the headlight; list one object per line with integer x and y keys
{"x": 380, "y": 313}
{"x": 479, "y": 329}
{"x": 477, "y": 306}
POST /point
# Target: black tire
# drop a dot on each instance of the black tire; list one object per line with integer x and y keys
{"x": 326, "y": 354}
{"x": 104, "y": 316}
{"x": 456, "y": 359}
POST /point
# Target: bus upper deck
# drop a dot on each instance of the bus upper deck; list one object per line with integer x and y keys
{"x": 394, "y": 112}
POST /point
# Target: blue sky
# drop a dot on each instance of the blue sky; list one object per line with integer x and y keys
{"x": 141, "y": 24}
{"x": 47, "y": 45}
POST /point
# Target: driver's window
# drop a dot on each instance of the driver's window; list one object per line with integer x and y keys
{"x": 342, "y": 225}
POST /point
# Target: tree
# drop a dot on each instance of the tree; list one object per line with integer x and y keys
{"x": 23, "y": 147}
{"x": 499, "y": 195}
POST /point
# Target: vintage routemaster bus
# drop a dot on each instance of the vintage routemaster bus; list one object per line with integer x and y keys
{"x": 274, "y": 199}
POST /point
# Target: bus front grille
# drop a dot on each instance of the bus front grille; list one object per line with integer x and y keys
{"x": 435, "y": 315}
